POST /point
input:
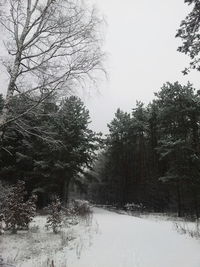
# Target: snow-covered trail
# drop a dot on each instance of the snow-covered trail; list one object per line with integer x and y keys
{"x": 126, "y": 241}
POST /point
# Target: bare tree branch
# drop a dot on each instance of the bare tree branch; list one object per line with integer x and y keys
{"x": 52, "y": 45}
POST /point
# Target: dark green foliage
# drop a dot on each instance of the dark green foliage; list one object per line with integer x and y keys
{"x": 178, "y": 146}
{"x": 80, "y": 143}
{"x": 54, "y": 219}
{"x": 49, "y": 148}
{"x": 189, "y": 33}
{"x": 152, "y": 155}
{"x": 17, "y": 212}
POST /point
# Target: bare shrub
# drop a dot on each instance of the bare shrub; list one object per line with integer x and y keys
{"x": 184, "y": 228}
{"x": 83, "y": 211}
{"x": 76, "y": 211}
{"x": 52, "y": 47}
{"x": 82, "y": 207}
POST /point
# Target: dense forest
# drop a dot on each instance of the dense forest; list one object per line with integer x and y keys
{"x": 50, "y": 148}
{"x": 51, "y": 49}
{"x": 152, "y": 155}
{"x": 68, "y": 191}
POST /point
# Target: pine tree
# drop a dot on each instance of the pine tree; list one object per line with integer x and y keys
{"x": 153, "y": 155}
{"x": 79, "y": 144}
{"x": 179, "y": 142}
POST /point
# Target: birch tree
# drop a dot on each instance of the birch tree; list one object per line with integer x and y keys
{"x": 53, "y": 46}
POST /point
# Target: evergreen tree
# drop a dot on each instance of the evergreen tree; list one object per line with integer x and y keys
{"x": 178, "y": 145}
{"x": 58, "y": 147}
{"x": 189, "y": 33}
{"x": 79, "y": 143}
{"x": 17, "y": 212}
{"x": 152, "y": 155}
{"x": 54, "y": 219}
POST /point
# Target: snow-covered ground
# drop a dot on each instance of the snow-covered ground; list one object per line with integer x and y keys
{"x": 40, "y": 247}
{"x": 125, "y": 241}
{"x": 113, "y": 240}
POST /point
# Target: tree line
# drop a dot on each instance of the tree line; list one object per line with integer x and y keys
{"x": 52, "y": 49}
{"x": 55, "y": 154}
{"x": 152, "y": 155}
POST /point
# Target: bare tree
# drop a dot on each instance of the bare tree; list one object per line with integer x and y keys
{"x": 53, "y": 45}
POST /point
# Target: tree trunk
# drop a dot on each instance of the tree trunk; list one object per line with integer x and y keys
{"x": 9, "y": 95}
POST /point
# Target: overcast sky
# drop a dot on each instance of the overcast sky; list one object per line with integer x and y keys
{"x": 142, "y": 54}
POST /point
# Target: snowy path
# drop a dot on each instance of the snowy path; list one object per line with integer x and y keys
{"x": 125, "y": 241}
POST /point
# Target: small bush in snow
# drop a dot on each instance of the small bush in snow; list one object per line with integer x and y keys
{"x": 70, "y": 210}
{"x": 17, "y": 212}
{"x": 83, "y": 211}
{"x": 54, "y": 220}
{"x": 71, "y": 217}
{"x": 75, "y": 210}
{"x": 82, "y": 207}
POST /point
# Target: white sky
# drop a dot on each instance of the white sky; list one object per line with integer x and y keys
{"x": 142, "y": 55}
